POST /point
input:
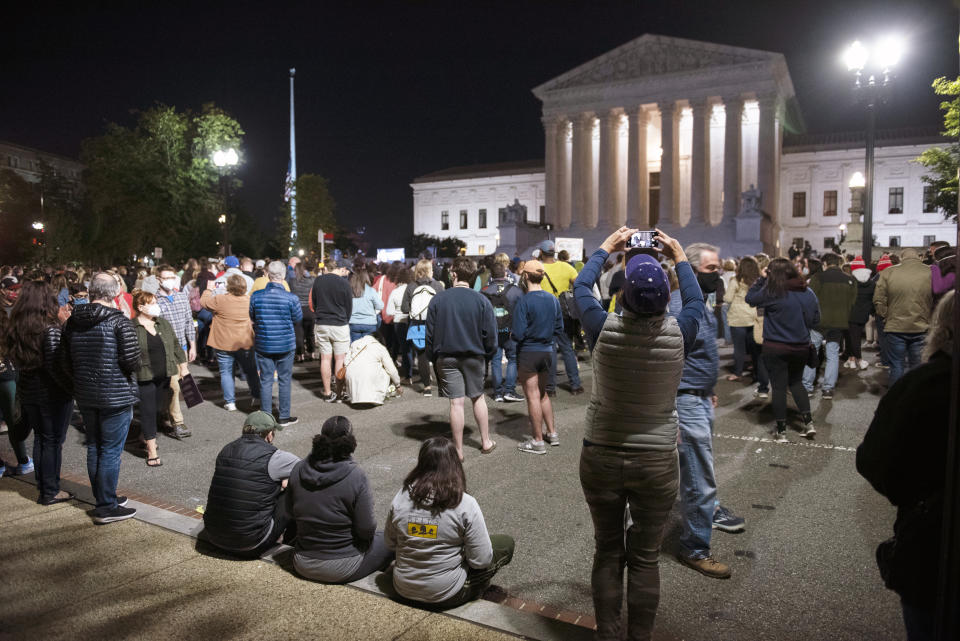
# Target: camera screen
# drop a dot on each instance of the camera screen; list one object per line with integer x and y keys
{"x": 643, "y": 240}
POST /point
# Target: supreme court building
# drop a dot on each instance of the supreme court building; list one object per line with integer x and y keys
{"x": 671, "y": 133}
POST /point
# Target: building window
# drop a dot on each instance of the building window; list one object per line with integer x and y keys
{"x": 896, "y": 201}
{"x": 798, "y": 243}
{"x": 483, "y": 220}
{"x": 828, "y": 242}
{"x": 444, "y": 220}
{"x": 543, "y": 214}
{"x": 929, "y": 240}
{"x": 830, "y": 202}
{"x": 799, "y": 204}
{"x": 463, "y": 219}
{"x": 894, "y": 241}
{"x": 929, "y": 194}
{"x": 482, "y": 250}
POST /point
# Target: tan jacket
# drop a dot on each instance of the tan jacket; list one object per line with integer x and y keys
{"x": 903, "y": 297}
{"x": 740, "y": 314}
{"x": 637, "y": 365}
{"x": 232, "y": 328}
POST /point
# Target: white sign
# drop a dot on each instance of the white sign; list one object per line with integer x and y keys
{"x": 158, "y": 252}
{"x": 391, "y": 255}
{"x": 574, "y": 247}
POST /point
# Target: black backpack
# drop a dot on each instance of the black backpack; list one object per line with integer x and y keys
{"x": 501, "y": 310}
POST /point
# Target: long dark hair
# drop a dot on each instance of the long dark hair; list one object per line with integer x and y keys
{"x": 748, "y": 271}
{"x": 35, "y": 310}
{"x": 779, "y": 272}
{"x": 437, "y": 483}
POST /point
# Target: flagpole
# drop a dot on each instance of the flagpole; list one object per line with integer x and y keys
{"x": 293, "y": 171}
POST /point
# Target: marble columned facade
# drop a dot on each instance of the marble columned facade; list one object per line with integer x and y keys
{"x": 671, "y": 103}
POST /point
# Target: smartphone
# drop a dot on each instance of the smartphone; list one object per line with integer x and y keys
{"x": 644, "y": 240}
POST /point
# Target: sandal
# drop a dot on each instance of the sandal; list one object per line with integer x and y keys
{"x": 154, "y": 462}
{"x": 489, "y": 449}
{"x": 733, "y": 377}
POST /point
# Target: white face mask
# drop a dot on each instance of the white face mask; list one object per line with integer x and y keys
{"x": 170, "y": 284}
{"x": 806, "y": 272}
{"x": 151, "y": 310}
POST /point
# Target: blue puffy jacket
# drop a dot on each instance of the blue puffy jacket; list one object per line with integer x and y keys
{"x": 273, "y": 311}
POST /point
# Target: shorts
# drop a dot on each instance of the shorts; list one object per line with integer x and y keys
{"x": 332, "y": 339}
{"x": 459, "y": 376}
{"x": 535, "y": 362}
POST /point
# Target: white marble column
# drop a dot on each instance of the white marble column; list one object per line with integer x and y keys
{"x": 562, "y": 174}
{"x": 581, "y": 182}
{"x": 767, "y": 165}
{"x": 551, "y": 129}
{"x": 732, "y": 141}
{"x": 609, "y": 174}
{"x": 669, "y": 163}
{"x": 700, "y": 162}
{"x": 638, "y": 179}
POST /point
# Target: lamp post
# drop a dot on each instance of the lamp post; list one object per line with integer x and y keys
{"x": 40, "y": 227}
{"x": 224, "y": 159}
{"x": 870, "y": 88}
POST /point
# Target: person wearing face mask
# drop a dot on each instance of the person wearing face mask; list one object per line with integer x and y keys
{"x": 700, "y": 509}
{"x": 160, "y": 358}
{"x": 175, "y": 308}
{"x": 9, "y": 288}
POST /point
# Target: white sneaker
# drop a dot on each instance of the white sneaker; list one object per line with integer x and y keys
{"x": 230, "y": 407}
{"x": 864, "y": 364}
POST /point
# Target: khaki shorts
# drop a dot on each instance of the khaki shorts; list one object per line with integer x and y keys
{"x": 332, "y": 339}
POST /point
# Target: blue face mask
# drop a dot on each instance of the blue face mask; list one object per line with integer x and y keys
{"x": 80, "y": 301}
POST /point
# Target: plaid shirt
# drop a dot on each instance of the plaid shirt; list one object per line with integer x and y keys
{"x": 176, "y": 309}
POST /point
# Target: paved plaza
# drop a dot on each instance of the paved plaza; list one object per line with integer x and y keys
{"x": 804, "y": 568}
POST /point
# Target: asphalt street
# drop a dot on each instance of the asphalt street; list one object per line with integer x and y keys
{"x": 804, "y": 568}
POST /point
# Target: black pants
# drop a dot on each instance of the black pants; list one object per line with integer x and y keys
{"x": 786, "y": 371}
{"x": 856, "y": 335}
{"x": 304, "y": 332}
{"x": 423, "y": 365}
{"x": 49, "y": 422}
{"x": 153, "y": 398}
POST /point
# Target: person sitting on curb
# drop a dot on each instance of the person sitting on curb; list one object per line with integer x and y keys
{"x": 445, "y": 557}
{"x": 329, "y": 497}
{"x": 245, "y": 514}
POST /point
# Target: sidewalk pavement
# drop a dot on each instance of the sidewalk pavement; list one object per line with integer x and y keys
{"x": 66, "y": 578}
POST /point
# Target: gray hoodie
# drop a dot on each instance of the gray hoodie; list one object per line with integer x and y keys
{"x": 333, "y": 507}
{"x": 434, "y": 550}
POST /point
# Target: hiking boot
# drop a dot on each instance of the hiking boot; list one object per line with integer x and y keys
{"x": 179, "y": 432}
{"x": 553, "y": 439}
{"x": 726, "y": 521}
{"x": 706, "y": 566}
{"x": 530, "y": 446}
{"x": 512, "y": 397}
{"x": 118, "y": 513}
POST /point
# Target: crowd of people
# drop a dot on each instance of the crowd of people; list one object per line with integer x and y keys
{"x": 109, "y": 341}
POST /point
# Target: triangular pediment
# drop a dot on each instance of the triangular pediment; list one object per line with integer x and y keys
{"x": 653, "y": 55}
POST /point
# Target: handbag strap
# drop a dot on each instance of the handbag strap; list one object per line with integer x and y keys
{"x": 550, "y": 280}
{"x": 357, "y": 354}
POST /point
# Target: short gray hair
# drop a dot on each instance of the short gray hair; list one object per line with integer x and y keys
{"x": 276, "y": 270}
{"x": 694, "y": 251}
{"x": 103, "y": 287}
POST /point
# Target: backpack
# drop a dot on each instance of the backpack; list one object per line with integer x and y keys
{"x": 568, "y": 305}
{"x": 420, "y": 301}
{"x": 501, "y": 311}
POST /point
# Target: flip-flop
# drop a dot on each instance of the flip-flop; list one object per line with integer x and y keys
{"x": 733, "y": 377}
{"x": 489, "y": 449}
{"x": 157, "y": 464}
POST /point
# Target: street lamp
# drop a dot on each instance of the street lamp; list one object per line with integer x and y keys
{"x": 39, "y": 226}
{"x": 873, "y": 74}
{"x": 224, "y": 159}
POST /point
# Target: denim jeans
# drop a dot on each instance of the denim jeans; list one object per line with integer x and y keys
{"x": 698, "y": 485}
{"x": 646, "y": 480}
{"x": 50, "y": 422}
{"x": 569, "y": 364}
{"x": 282, "y": 364}
{"x": 246, "y": 360}
{"x": 106, "y": 432}
{"x": 506, "y": 385}
{"x": 903, "y": 347}
{"x": 882, "y": 341}
{"x": 204, "y": 321}
{"x": 739, "y": 338}
{"x": 16, "y": 431}
{"x": 726, "y": 326}
{"x": 359, "y": 331}
{"x": 832, "y": 368}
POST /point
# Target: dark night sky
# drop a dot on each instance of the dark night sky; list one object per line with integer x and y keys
{"x": 389, "y": 91}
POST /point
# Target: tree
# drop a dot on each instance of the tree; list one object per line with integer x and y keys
{"x": 315, "y": 207}
{"x": 943, "y": 162}
{"x": 420, "y": 243}
{"x": 155, "y": 185}
{"x": 450, "y": 247}
{"x": 19, "y": 208}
